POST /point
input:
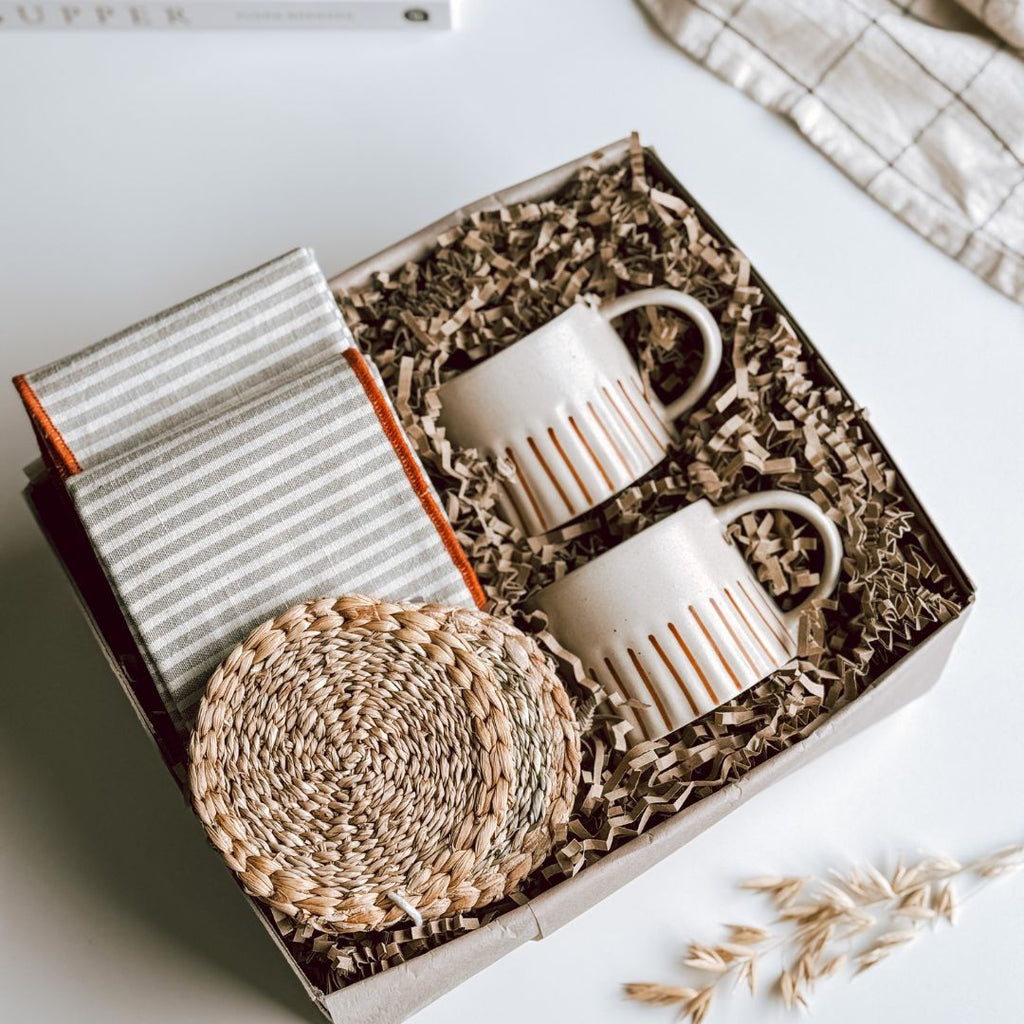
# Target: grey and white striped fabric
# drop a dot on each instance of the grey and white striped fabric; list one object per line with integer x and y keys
{"x": 143, "y": 382}
{"x": 232, "y": 463}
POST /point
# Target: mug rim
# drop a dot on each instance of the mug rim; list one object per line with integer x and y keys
{"x": 521, "y": 347}
{"x": 606, "y": 556}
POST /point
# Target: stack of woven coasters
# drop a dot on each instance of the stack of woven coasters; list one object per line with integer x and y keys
{"x": 234, "y": 455}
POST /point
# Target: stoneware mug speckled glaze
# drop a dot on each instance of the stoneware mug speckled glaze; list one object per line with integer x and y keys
{"x": 566, "y": 409}
{"x": 674, "y": 617}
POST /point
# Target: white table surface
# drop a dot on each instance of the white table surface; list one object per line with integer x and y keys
{"x": 137, "y": 170}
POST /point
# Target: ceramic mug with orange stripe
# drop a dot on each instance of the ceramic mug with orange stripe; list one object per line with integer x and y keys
{"x": 566, "y": 410}
{"x": 675, "y": 618}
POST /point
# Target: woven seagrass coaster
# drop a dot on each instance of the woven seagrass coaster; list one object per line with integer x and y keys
{"x": 359, "y": 762}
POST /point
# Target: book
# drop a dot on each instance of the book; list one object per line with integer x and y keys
{"x": 177, "y": 15}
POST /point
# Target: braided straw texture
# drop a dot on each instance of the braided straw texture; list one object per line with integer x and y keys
{"x": 353, "y": 748}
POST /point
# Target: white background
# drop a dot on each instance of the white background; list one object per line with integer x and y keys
{"x": 139, "y": 169}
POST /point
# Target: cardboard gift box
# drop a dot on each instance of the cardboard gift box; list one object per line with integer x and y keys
{"x": 401, "y": 990}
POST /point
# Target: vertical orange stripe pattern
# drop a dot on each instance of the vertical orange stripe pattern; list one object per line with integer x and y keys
{"x": 750, "y": 629}
{"x": 625, "y": 422}
{"x": 526, "y": 487}
{"x": 711, "y": 640}
{"x": 641, "y": 672}
{"x": 675, "y": 673}
{"x": 569, "y": 465}
{"x": 642, "y": 419}
{"x": 617, "y": 678}
{"x": 608, "y": 437}
{"x": 770, "y": 606}
{"x": 693, "y": 661}
{"x": 593, "y": 457}
{"x": 657, "y": 419}
{"x": 551, "y": 476}
{"x": 760, "y": 615}
{"x": 732, "y": 634}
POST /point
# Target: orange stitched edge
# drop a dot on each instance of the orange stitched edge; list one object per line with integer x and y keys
{"x": 394, "y": 434}
{"x": 62, "y": 454}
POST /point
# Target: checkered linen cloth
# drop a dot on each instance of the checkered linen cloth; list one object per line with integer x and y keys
{"x": 920, "y": 103}
{"x": 236, "y": 455}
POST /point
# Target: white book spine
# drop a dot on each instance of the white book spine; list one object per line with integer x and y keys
{"x": 177, "y": 15}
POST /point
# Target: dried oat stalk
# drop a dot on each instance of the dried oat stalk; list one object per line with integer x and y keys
{"x": 850, "y": 920}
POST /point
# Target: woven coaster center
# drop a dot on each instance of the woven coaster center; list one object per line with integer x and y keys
{"x": 351, "y": 750}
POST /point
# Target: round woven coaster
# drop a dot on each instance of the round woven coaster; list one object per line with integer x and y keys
{"x": 355, "y": 760}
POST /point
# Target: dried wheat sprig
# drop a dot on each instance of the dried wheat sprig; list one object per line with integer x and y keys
{"x": 692, "y": 1002}
{"x": 1002, "y": 862}
{"x": 659, "y": 995}
{"x": 817, "y": 915}
{"x": 782, "y": 890}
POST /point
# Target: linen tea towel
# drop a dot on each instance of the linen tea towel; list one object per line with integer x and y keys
{"x": 920, "y": 103}
{"x": 236, "y": 455}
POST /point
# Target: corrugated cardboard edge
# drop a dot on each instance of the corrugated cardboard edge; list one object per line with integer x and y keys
{"x": 396, "y": 994}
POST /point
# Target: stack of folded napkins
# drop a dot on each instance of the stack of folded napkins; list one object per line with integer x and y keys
{"x": 235, "y": 455}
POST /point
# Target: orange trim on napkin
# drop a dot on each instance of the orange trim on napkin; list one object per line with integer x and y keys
{"x": 412, "y": 469}
{"x": 61, "y": 453}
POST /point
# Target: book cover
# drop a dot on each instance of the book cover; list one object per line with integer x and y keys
{"x": 177, "y": 15}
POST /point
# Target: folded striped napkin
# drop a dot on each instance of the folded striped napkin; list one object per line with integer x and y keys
{"x": 235, "y": 455}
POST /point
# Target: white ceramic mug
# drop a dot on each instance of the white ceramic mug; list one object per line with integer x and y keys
{"x": 675, "y": 617}
{"x": 566, "y": 407}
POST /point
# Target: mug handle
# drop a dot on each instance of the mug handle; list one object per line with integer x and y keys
{"x": 699, "y": 314}
{"x": 802, "y": 506}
